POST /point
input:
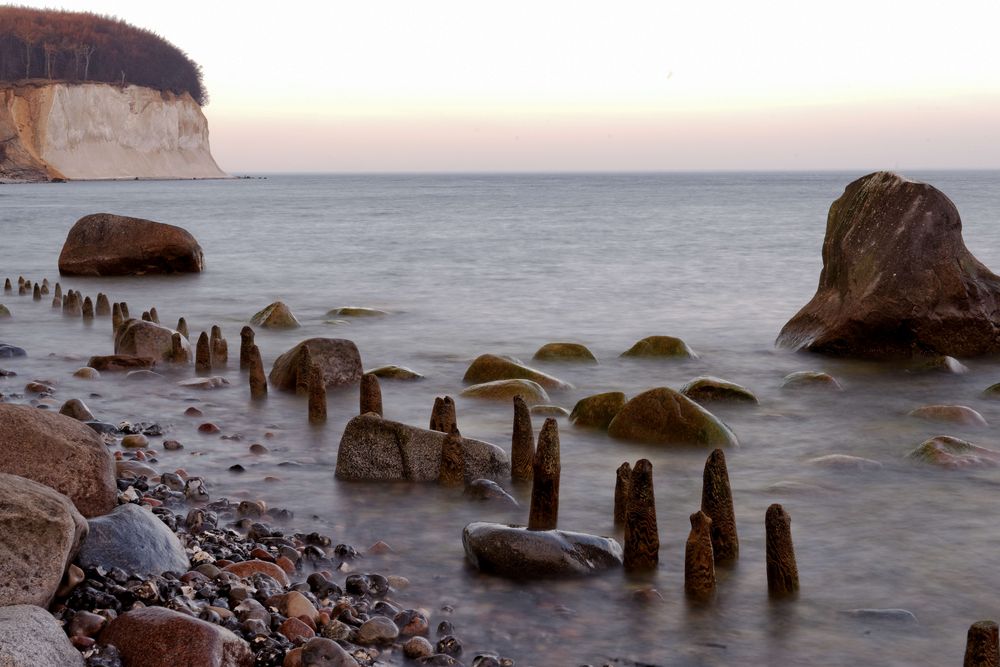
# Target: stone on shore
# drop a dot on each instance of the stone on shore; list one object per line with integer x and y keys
{"x": 565, "y": 352}
{"x": 948, "y": 452}
{"x": 375, "y": 449}
{"x": 707, "y": 389}
{"x": 396, "y": 373}
{"x": 950, "y": 414}
{"x": 660, "y": 347}
{"x": 663, "y": 416}
{"x": 31, "y": 637}
{"x": 338, "y": 360}
{"x": 140, "y": 338}
{"x": 275, "y": 316}
{"x": 598, "y": 410}
{"x": 104, "y": 244}
{"x": 161, "y": 637}
{"x": 59, "y": 452}
{"x": 133, "y": 539}
{"x": 490, "y": 367}
{"x": 518, "y": 553}
{"x": 505, "y": 390}
{"x": 120, "y": 362}
{"x": 897, "y": 279}
{"x": 42, "y": 531}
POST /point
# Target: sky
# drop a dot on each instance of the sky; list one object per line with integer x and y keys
{"x": 618, "y": 85}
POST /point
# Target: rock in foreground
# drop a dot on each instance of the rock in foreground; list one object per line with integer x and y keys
{"x": 374, "y": 449}
{"x": 897, "y": 279}
{"x": 132, "y": 539}
{"x": 104, "y": 244}
{"x": 663, "y": 416}
{"x": 518, "y": 553}
{"x": 337, "y": 358}
{"x": 32, "y": 637}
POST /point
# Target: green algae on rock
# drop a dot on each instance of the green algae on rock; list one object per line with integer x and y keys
{"x": 598, "y": 410}
{"x": 660, "y": 347}
{"x": 708, "y": 389}
{"x": 565, "y": 352}
{"x": 948, "y": 452}
{"x": 664, "y": 416}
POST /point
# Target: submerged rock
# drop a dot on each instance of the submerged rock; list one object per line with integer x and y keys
{"x": 486, "y": 489}
{"x": 42, "y": 531}
{"x": 549, "y": 410}
{"x": 565, "y": 352}
{"x": 133, "y": 539}
{"x": 375, "y": 449}
{"x": 104, "y": 244}
{"x": 845, "y": 462}
{"x": 505, "y": 390}
{"x": 213, "y": 382}
{"x": 939, "y": 364}
{"x": 707, "y": 389}
{"x": 490, "y": 367}
{"x": 948, "y": 452}
{"x": 660, "y": 347}
{"x": 598, "y": 410}
{"x": 663, "y": 416}
{"x": 275, "y": 316}
{"x": 810, "y": 380}
{"x": 951, "y": 414}
{"x": 355, "y": 311}
{"x": 31, "y": 637}
{"x": 337, "y": 358}
{"x": 893, "y": 615}
{"x": 518, "y": 553}
{"x": 120, "y": 362}
{"x": 396, "y": 373}
{"x": 8, "y": 351}
{"x": 897, "y": 279}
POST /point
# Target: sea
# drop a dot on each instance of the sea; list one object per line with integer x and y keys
{"x": 472, "y": 264}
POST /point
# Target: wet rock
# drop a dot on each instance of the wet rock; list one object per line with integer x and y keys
{"x": 87, "y": 373}
{"x": 275, "y": 316}
{"x": 61, "y": 453}
{"x": 142, "y": 376}
{"x": 295, "y": 630}
{"x": 377, "y": 630}
{"x": 42, "y": 531}
{"x": 205, "y": 383}
{"x": 159, "y": 637}
{"x": 598, "y": 410}
{"x": 548, "y": 410}
{"x": 950, "y": 414}
{"x": 31, "y": 637}
{"x": 134, "y": 540}
{"x": 135, "y": 441}
{"x": 565, "y": 352}
{"x": 74, "y": 408}
{"x": 505, "y": 390}
{"x": 663, "y": 416}
{"x": 897, "y": 279}
{"x": 845, "y": 462}
{"x": 373, "y": 449}
{"x": 148, "y": 339}
{"x": 8, "y": 351}
{"x": 417, "y": 647}
{"x": 490, "y": 367}
{"x": 396, "y": 373}
{"x": 485, "y": 489}
{"x": 355, "y": 311}
{"x": 890, "y": 615}
{"x": 248, "y": 568}
{"x": 38, "y": 388}
{"x": 293, "y": 604}
{"x": 810, "y": 380}
{"x": 120, "y": 362}
{"x": 4, "y": 312}
{"x": 338, "y": 359}
{"x": 948, "y": 452}
{"x": 518, "y": 553}
{"x": 322, "y": 652}
{"x": 134, "y": 469}
{"x": 104, "y": 244}
{"x": 661, "y": 347}
{"x": 707, "y": 389}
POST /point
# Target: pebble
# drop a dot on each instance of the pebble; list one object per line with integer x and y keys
{"x": 417, "y": 647}
{"x": 135, "y": 440}
{"x": 377, "y": 630}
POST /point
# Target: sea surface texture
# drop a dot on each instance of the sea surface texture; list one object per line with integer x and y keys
{"x": 502, "y": 264}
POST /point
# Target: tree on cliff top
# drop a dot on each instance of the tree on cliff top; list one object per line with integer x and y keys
{"x": 77, "y": 47}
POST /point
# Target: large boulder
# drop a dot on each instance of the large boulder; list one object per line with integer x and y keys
{"x": 275, "y": 316}
{"x": 519, "y": 553}
{"x": 104, "y": 244}
{"x": 160, "y": 637}
{"x": 59, "y": 452}
{"x": 373, "y": 449}
{"x": 133, "y": 539}
{"x": 32, "y": 637}
{"x": 42, "y": 531}
{"x": 897, "y": 279}
{"x": 490, "y": 367}
{"x": 663, "y": 416}
{"x": 338, "y": 359}
{"x": 139, "y": 338}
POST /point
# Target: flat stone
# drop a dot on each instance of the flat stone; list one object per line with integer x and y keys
{"x": 32, "y": 637}
{"x": 506, "y": 390}
{"x": 42, "y": 532}
{"x": 491, "y": 367}
{"x": 395, "y": 373}
{"x": 565, "y": 352}
{"x": 708, "y": 389}
{"x": 518, "y": 553}
{"x": 487, "y": 489}
{"x": 161, "y": 637}
{"x": 375, "y": 449}
{"x": 133, "y": 539}
{"x": 661, "y": 347}
{"x": 663, "y": 416}
{"x": 598, "y": 410}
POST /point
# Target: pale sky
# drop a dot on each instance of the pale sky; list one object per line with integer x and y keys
{"x": 548, "y": 85}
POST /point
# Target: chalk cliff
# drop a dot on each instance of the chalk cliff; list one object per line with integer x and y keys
{"x": 101, "y": 131}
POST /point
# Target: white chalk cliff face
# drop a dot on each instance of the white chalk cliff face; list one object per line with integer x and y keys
{"x": 102, "y": 131}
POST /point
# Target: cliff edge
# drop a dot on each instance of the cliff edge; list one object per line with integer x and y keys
{"x": 101, "y": 131}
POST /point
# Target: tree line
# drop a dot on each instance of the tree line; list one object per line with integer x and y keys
{"x": 76, "y": 46}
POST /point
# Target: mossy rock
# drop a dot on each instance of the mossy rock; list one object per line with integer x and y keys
{"x": 491, "y": 367}
{"x": 565, "y": 352}
{"x": 355, "y": 311}
{"x": 506, "y": 390}
{"x": 939, "y": 364}
{"x": 810, "y": 380}
{"x": 707, "y": 389}
{"x": 660, "y": 347}
{"x": 391, "y": 372}
{"x": 950, "y": 414}
{"x": 992, "y": 391}
{"x": 549, "y": 410}
{"x": 948, "y": 452}
{"x": 598, "y": 410}
{"x": 275, "y": 316}
{"x": 666, "y": 417}
{"x": 4, "y": 312}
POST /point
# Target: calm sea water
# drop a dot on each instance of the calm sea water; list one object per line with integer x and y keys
{"x": 502, "y": 264}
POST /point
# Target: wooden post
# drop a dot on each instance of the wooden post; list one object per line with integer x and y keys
{"x": 642, "y": 537}
{"x": 371, "y": 395}
{"x": 623, "y": 477}
{"x": 782, "y": 572}
{"x": 522, "y": 443}
{"x": 544, "y": 513}
{"x": 699, "y": 563}
{"x": 717, "y": 503}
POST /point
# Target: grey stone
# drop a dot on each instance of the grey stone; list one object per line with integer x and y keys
{"x": 518, "y": 553}
{"x": 32, "y": 637}
{"x": 323, "y": 652}
{"x": 134, "y": 540}
{"x": 337, "y": 358}
{"x": 147, "y": 339}
{"x": 377, "y": 630}
{"x": 9, "y": 351}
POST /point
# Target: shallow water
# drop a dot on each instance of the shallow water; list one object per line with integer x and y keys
{"x": 502, "y": 264}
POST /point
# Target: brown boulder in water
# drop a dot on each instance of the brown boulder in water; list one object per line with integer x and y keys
{"x": 897, "y": 279}
{"x": 337, "y": 358}
{"x": 663, "y": 416}
{"x": 104, "y": 244}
